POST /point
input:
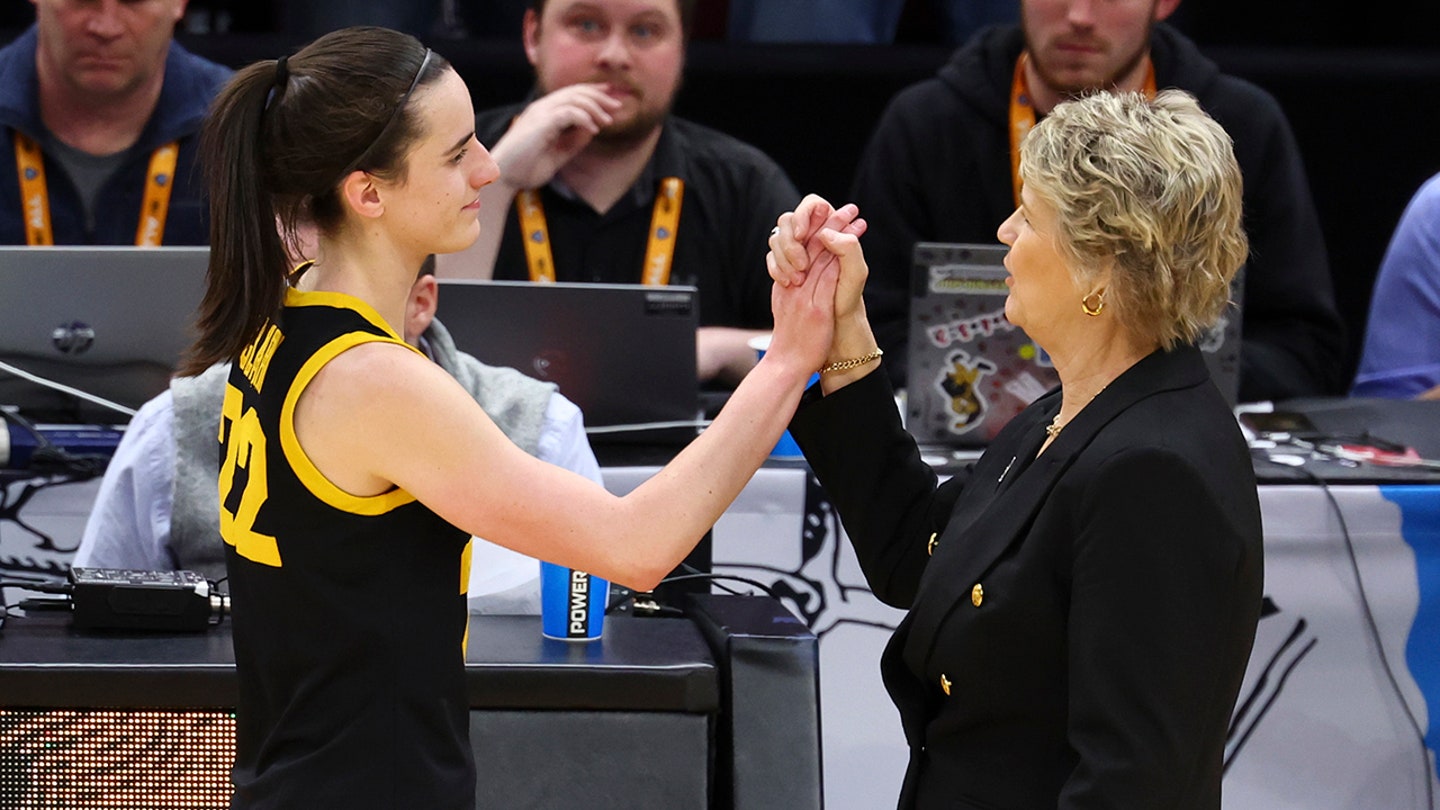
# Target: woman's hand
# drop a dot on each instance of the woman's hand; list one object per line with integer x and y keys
{"x": 817, "y": 238}
{"x": 804, "y": 319}
{"x": 793, "y": 251}
{"x": 795, "y": 248}
{"x": 843, "y": 249}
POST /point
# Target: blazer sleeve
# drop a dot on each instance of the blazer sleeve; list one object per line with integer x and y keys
{"x": 1165, "y": 598}
{"x": 871, "y": 469}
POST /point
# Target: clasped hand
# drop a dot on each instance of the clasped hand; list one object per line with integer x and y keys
{"x": 820, "y": 243}
{"x": 817, "y": 236}
{"x": 807, "y": 261}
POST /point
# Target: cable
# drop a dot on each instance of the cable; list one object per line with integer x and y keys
{"x": 22, "y": 575}
{"x": 65, "y": 389}
{"x": 50, "y": 459}
{"x": 1374, "y": 629}
{"x": 731, "y": 577}
{"x": 651, "y": 606}
{"x": 62, "y": 588}
{"x": 39, "y": 603}
{"x": 690, "y": 569}
{"x": 639, "y": 426}
{"x": 220, "y": 601}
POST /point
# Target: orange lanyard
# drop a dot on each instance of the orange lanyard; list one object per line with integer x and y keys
{"x": 659, "y": 248}
{"x": 1022, "y": 113}
{"x": 35, "y": 194}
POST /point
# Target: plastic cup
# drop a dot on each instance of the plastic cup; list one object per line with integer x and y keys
{"x": 786, "y": 448}
{"x": 572, "y": 603}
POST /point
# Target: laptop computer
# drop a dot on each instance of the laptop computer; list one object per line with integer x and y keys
{"x": 971, "y": 370}
{"x": 624, "y": 353}
{"x": 109, "y": 321}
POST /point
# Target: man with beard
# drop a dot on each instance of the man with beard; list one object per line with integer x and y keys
{"x": 600, "y": 183}
{"x": 942, "y": 166}
{"x": 102, "y": 110}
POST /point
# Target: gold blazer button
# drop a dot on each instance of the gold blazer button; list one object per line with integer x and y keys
{"x": 944, "y": 684}
{"x": 977, "y": 594}
{"x": 930, "y": 547}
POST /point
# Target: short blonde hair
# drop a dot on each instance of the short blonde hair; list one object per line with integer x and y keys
{"x": 1152, "y": 186}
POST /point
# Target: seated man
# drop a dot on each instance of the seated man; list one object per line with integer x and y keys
{"x": 607, "y": 186}
{"x": 1401, "y": 357}
{"x": 158, "y": 508}
{"x": 104, "y": 110}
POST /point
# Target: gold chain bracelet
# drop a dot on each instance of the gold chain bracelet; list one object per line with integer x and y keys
{"x": 854, "y": 362}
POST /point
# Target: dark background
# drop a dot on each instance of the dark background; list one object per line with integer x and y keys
{"x": 1362, "y": 94}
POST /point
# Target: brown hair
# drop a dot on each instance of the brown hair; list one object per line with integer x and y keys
{"x": 276, "y": 144}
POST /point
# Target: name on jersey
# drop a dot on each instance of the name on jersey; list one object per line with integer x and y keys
{"x": 255, "y": 359}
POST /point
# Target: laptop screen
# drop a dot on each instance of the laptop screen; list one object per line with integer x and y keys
{"x": 109, "y": 321}
{"x": 970, "y": 369}
{"x": 624, "y": 353}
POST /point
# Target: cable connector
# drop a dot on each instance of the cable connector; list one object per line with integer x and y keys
{"x": 645, "y": 604}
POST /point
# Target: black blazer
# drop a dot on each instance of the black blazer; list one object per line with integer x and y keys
{"x": 1081, "y": 622}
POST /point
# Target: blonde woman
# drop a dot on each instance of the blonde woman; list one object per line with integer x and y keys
{"x": 1083, "y": 600}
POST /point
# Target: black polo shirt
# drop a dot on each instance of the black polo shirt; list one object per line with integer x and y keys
{"x": 733, "y": 194}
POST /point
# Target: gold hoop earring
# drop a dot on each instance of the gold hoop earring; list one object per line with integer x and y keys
{"x": 1094, "y": 310}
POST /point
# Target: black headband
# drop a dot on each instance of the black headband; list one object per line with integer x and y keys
{"x": 394, "y": 116}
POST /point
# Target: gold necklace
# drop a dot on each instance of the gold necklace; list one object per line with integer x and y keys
{"x": 1053, "y": 429}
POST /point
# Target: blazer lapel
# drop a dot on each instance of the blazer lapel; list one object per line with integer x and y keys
{"x": 968, "y": 550}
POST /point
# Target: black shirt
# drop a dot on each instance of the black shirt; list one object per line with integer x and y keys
{"x": 733, "y": 195}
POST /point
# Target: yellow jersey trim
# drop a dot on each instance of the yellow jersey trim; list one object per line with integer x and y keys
{"x": 339, "y": 300}
{"x": 300, "y": 463}
{"x": 465, "y": 558}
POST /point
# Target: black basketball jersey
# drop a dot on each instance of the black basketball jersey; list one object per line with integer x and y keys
{"x": 349, "y": 612}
